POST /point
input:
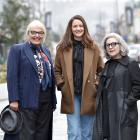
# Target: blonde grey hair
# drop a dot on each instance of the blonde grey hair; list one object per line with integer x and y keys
{"x": 35, "y": 23}
{"x": 123, "y": 44}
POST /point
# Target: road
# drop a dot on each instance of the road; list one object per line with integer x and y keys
{"x": 59, "y": 125}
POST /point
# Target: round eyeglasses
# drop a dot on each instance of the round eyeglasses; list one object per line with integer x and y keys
{"x": 113, "y": 44}
{"x": 34, "y": 33}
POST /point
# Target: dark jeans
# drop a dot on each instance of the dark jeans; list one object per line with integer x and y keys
{"x": 37, "y": 123}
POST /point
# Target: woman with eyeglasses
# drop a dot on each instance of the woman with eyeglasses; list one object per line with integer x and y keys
{"x": 117, "y": 94}
{"x": 31, "y": 86}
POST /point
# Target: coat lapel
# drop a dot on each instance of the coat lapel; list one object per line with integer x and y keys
{"x": 88, "y": 58}
{"x": 69, "y": 66}
{"x": 30, "y": 56}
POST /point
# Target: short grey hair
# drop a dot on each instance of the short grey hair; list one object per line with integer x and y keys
{"x": 35, "y": 23}
{"x": 123, "y": 44}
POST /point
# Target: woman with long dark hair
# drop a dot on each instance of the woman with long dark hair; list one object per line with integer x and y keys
{"x": 77, "y": 64}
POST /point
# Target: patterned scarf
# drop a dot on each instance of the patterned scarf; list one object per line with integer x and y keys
{"x": 44, "y": 67}
{"x": 47, "y": 69}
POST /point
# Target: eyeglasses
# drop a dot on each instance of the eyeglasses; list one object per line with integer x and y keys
{"x": 113, "y": 44}
{"x": 34, "y": 33}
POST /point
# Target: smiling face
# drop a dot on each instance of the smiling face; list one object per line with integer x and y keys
{"x": 36, "y": 35}
{"x": 113, "y": 48}
{"x": 77, "y": 29}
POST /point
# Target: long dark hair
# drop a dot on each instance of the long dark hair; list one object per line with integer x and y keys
{"x": 68, "y": 38}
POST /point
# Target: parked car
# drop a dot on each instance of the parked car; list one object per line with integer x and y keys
{"x": 134, "y": 51}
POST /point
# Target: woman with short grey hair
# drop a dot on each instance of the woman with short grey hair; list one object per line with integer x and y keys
{"x": 121, "y": 41}
{"x": 118, "y": 92}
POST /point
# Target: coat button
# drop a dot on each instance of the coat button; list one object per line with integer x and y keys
{"x": 88, "y": 81}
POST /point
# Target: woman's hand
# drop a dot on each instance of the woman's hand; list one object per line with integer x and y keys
{"x": 14, "y": 105}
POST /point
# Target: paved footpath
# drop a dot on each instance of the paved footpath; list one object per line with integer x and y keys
{"x": 59, "y": 122}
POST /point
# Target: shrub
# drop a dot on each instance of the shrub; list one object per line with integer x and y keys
{"x": 2, "y": 73}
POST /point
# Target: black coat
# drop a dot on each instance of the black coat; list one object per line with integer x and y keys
{"x": 123, "y": 93}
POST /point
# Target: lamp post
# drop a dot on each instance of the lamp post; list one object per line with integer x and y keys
{"x": 117, "y": 10}
{"x": 48, "y": 16}
{"x": 117, "y": 15}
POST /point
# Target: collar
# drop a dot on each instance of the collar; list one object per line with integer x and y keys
{"x": 124, "y": 60}
{"x": 77, "y": 42}
{"x": 34, "y": 47}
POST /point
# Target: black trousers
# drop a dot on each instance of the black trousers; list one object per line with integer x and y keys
{"x": 37, "y": 123}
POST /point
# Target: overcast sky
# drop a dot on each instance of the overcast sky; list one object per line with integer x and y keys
{"x": 94, "y": 11}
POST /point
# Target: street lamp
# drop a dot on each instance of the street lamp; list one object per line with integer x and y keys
{"x": 48, "y": 16}
{"x": 117, "y": 10}
{"x": 117, "y": 16}
{"x": 129, "y": 15}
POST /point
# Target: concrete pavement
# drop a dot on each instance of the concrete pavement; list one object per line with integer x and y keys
{"x": 59, "y": 121}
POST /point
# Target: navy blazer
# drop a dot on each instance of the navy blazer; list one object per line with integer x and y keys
{"x": 22, "y": 76}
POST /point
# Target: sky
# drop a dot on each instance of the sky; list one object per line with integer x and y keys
{"x": 94, "y": 11}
